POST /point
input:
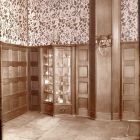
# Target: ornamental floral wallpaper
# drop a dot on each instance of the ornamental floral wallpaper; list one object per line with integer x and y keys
{"x": 58, "y": 21}
{"x": 129, "y": 20}
{"x": 13, "y": 17}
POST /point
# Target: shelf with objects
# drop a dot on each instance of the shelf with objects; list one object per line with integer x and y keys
{"x": 56, "y": 74}
{"x": 62, "y": 80}
{"x": 48, "y": 94}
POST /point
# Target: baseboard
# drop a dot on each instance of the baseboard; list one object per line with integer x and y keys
{"x": 115, "y": 116}
{"x": 13, "y": 114}
{"x": 103, "y": 116}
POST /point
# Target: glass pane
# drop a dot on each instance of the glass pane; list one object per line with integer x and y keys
{"x": 63, "y": 75}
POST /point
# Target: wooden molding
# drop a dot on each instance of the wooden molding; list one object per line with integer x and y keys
{"x": 103, "y": 116}
{"x": 116, "y": 59}
{"x": 92, "y": 73}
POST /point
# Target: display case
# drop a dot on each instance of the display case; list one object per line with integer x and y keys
{"x": 56, "y": 94}
{"x": 62, "y": 80}
{"x": 48, "y": 76}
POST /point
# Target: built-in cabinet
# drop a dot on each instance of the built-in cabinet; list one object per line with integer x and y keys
{"x": 59, "y": 87}
{"x": 47, "y": 94}
{"x": 62, "y": 80}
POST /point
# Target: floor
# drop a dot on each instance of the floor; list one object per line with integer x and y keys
{"x": 36, "y": 126}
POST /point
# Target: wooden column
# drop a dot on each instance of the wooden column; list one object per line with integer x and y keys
{"x": 92, "y": 73}
{"x": 103, "y": 62}
{"x": 139, "y": 49}
{"x": 116, "y": 60}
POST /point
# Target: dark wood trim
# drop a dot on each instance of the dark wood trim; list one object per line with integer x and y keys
{"x": 57, "y": 45}
{"x": 13, "y": 63}
{"x": 31, "y": 78}
{"x": 139, "y": 48}
{"x": 76, "y": 89}
{"x": 121, "y": 82}
{"x": 116, "y": 60}
{"x": 41, "y": 78}
{"x": 130, "y": 42}
{"x": 73, "y": 80}
{"x": 7, "y": 45}
{"x": 92, "y": 73}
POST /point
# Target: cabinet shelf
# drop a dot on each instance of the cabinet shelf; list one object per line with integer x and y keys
{"x": 66, "y": 93}
{"x": 48, "y": 75}
{"x": 48, "y": 66}
{"x": 63, "y": 76}
{"x": 48, "y": 92}
{"x": 47, "y": 102}
{"x": 48, "y": 85}
{"x": 62, "y": 104}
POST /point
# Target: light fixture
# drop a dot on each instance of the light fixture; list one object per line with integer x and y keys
{"x": 103, "y": 43}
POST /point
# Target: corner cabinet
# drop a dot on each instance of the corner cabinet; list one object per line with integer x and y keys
{"x": 58, "y": 80}
{"x": 56, "y": 77}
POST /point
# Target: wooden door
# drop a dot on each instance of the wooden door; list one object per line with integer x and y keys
{"x": 82, "y": 80}
{"x": 130, "y": 81}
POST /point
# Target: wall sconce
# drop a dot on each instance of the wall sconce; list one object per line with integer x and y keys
{"x": 104, "y": 42}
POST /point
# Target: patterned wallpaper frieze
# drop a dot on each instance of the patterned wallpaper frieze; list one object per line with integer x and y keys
{"x": 60, "y": 21}
{"x": 14, "y": 21}
{"x": 129, "y": 20}
{"x": 57, "y": 21}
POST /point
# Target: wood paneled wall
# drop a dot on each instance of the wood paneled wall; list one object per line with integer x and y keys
{"x": 82, "y": 80}
{"x": 34, "y": 78}
{"x": 14, "y": 81}
{"x": 130, "y": 106}
{"x": 103, "y": 63}
{"x": 117, "y": 82}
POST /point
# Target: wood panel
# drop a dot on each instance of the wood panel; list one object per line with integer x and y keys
{"x": 116, "y": 60}
{"x": 34, "y": 78}
{"x": 130, "y": 81}
{"x": 82, "y": 81}
{"x": 102, "y": 64}
{"x": 14, "y": 81}
{"x": 103, "y": 86}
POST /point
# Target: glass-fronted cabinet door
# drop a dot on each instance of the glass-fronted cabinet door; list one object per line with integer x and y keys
{"x": 48, "y": 76}
{"x": 62, "y": 80}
